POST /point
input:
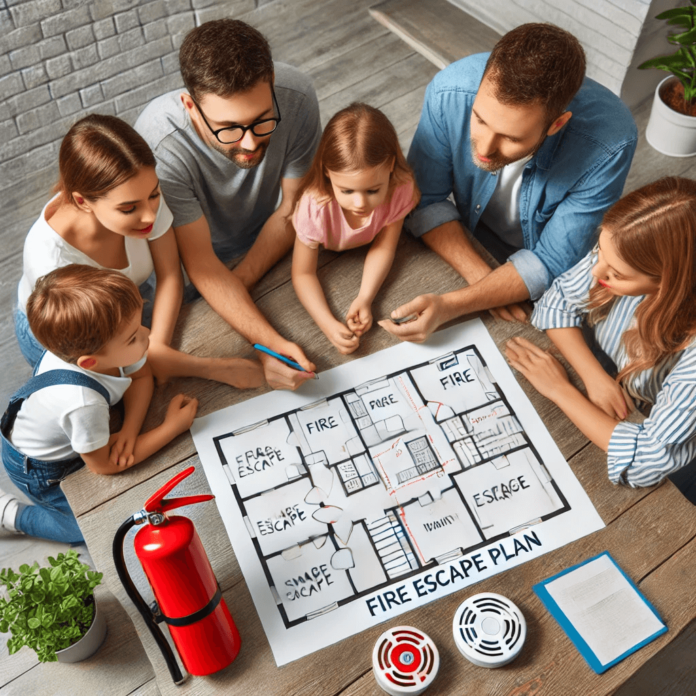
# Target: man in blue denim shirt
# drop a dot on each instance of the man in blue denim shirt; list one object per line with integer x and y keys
{"x": 521, "y": 130}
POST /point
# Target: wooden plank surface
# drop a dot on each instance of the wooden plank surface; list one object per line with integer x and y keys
{"x": 648, "y": 164}
{"x": 148, "y": 689}
{"x": 549, "y": 664}
{"x": 100, "y": 524}
{"x": 119, "y": 660}
{"x": 416, "y": 270}
{"x": 438, "y": 30}
{"x": 342, "y": 34}
{"x": 660, "y": 523}
{"x": 383, "y": 87}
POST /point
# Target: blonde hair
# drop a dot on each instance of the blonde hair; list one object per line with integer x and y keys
{"x": 654, "y": 231}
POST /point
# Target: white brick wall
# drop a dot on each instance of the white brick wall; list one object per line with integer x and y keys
{"x": 609, "y": 30}
{"x": 63, "y": 59}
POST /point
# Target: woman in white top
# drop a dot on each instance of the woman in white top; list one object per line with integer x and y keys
{"x": 108, "y": 212}
{"x": 625, "y": 318}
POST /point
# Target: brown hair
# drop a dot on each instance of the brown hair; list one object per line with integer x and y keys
{"x": 537, "y": 63}
{"x": 224, "y": 57}
{"x": 76, "y": 310}
{"x": 98, "y": 154}
{"x": 654, "y": 231}
{"x": 357, "y": 137}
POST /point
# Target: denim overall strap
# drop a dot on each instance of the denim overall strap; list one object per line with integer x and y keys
{"x": 51, "y": 378}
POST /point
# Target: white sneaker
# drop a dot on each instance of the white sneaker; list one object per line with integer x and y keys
{"x": 8, "y": 512}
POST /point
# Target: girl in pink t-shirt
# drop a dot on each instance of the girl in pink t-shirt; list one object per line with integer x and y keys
{"x": 358, "y": 191}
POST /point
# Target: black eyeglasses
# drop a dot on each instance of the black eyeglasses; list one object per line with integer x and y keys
{"x": 233, "y": 134}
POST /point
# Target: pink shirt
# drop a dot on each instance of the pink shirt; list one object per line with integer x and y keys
{"x": 324, "y": 223}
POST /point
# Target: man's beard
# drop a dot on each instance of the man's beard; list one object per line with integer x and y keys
{"x": 234, "y": 154}
{"x": 497, "y": 161}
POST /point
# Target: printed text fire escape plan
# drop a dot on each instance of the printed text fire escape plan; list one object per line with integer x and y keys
{"x": 392, "y": 481}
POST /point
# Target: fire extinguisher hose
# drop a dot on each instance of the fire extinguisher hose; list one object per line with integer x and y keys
{"x": 139, "y": 602}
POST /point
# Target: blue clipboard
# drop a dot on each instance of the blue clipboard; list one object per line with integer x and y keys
{"x": 583, "y": 648}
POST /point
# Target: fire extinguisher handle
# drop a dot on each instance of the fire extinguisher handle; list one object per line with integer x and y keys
{"x": 171, "y": 503}
{"x": 154, "y": 502}
{"x": 139, "y": 602}
{"x": 157, "y": 502}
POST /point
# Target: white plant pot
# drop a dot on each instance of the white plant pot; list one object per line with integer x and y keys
{"x": 89, "y": 643}
{"x": 669, "y": 132}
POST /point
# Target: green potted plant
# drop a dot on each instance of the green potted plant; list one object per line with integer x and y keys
{"x": 52, "y": 609}
{"x": 672, "y": 126}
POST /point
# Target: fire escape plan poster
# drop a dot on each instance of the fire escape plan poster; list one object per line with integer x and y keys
{"x": 391, "y": 481}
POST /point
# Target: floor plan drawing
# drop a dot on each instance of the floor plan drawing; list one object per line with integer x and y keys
{"x": 358, "y": 498}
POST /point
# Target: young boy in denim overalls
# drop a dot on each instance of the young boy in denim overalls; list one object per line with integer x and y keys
{"x": 88, "y": 319}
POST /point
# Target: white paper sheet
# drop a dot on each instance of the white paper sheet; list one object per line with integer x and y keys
{"x": 426, "y": 462}
{"x": 610, "y": 616}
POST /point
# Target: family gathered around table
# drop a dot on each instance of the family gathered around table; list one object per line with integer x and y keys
{"x": 516, "y": 148}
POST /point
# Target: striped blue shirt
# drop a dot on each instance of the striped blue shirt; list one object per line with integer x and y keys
{"x": 638, "y": 454}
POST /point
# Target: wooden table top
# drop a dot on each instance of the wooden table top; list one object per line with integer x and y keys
{"x": 650, "y": 532}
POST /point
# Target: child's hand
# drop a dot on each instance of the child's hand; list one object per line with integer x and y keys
{"x": 342, "y": 337}
{"x": 359, "y": 317}
{"x": 180, "y": 413}
{"x": 121, "y": 446}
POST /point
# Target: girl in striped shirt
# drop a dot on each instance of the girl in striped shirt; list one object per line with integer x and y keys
{"x": 625, "y": 319}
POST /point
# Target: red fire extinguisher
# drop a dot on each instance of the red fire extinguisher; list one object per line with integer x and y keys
{"x": 188, "y": 598}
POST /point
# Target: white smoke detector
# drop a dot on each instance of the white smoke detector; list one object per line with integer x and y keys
{"x": 489, "y": 630}
{"x": 405, "y": 661}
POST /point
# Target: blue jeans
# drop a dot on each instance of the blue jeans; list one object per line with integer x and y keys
{"x": 31, "y": 349}
{"x": 51, "y": 517}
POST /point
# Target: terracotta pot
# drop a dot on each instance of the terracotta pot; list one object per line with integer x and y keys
{"x": 89, "y": 643}
{"x": 670, "y": 132}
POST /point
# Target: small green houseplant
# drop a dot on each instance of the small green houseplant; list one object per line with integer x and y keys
{"x": 48, "y": 608}
{"x": 672, "y": 126}
{"x": 681, "y": 95}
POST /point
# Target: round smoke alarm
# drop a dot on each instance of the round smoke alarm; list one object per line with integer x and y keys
{"x": 489, "y": 630}
{"x": 405, "y": 661}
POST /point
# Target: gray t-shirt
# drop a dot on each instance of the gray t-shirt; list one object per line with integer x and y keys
{"x": 197, "y": 180}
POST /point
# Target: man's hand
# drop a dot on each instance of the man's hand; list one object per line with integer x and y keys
{"x": 542, "y": 370}
{"x": 359, "y": 316}
{"x": 121, "y": 446}
{"x": 242, "y": 373}
{"x": 605, "y": 392}
{"x": 430, "y": 314}
{"x": 282, "y": 376}
{"x": 512, "y": 312}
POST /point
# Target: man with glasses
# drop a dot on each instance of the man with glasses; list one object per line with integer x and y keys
{"x": 230, "y": 152}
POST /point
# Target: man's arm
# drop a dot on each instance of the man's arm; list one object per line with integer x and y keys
{"x": 227, "y": 295}
{"x": 274, "y": 241}
{"x": 566, "y": 237}
{"x": 451, "y": 243}
{"x": 500, "y": 287}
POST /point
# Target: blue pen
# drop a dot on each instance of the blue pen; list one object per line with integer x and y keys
{"x": 282, "y": 358}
